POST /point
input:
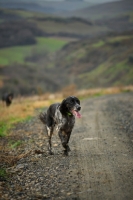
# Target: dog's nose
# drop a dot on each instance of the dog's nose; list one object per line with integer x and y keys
{"x": 79, "y": 108}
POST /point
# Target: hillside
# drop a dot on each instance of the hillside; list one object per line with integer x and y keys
{"x": 49, "y": 7}
{"x": 25, "y": 69}
{"x": 102, "y": 62}
{"x": 20, "y": 27}
{"x": 43, "y": 53}
{"x": 105, "y": 10}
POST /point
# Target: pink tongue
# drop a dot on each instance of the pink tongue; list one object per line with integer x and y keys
{"x": 77, "y": 114}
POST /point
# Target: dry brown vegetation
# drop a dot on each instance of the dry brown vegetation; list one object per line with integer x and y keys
{"x": 23, "y": 107}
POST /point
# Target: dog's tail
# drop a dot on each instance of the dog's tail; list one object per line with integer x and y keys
{"x": 42, "y": 117}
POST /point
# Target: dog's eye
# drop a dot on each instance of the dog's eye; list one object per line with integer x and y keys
{"x": 78, "y": 102}
{"x": 72, "y": 101}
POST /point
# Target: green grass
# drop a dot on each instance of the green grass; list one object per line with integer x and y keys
{"x": 27, "y": 119}
{"x": 98, "y": 44}
{"x": 14, "y": 54}
{"x": 50, "y": 44}
{"x": 3, "y": 129}
{"x": 18, "y": 54}
{"x": 95, "y": 73}
{"x": 107, "y": 72}
{"x": 3, "y": 173}
{"x": 5, "y": 126}
{"x": 15, "y": 144}
{"x": 79, "y": 53}
{"x": 120, "y": 38}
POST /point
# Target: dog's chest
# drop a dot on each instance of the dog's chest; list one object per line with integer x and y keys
{"x": 64, "y": 123}
{"x": 68, "y": 123}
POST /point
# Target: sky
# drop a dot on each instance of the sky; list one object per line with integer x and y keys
{"x": 91, "y": 1}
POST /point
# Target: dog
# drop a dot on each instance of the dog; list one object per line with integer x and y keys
{"x": 7, "y": 98}
{"x": 62, "y": 115}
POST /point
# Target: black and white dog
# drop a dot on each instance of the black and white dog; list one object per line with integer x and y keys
{"x": 7, "y": 98}
{"x": 62, "y": 115}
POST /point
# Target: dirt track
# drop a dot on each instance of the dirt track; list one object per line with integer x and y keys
{"x": 99, "y": 166}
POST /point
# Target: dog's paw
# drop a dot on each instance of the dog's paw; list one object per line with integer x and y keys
{"x": 68, "y": 148}
{"x": 65, "y": 153}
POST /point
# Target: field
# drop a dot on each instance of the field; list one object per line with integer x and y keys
{"x": 18, "y": 54}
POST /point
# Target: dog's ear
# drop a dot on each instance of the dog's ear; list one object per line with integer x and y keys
{"x": 63, "y": 101}
{"x": 63, "y": 107}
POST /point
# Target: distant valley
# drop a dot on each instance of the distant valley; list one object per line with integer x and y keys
{"x": 41, "y": 52}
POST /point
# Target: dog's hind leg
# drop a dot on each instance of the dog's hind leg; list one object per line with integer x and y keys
{"x": 49, "y": 126}
{"x": 50, "y": 132}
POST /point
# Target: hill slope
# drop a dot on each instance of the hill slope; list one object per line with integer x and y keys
{"x": 105, "y": 10}
{"x": 39, "y": 65}
{"x": 101, "y": 62}
{"x": 19, "y": 27}
{"x": 51, "y": 7}
{"x": 98, "y": 63}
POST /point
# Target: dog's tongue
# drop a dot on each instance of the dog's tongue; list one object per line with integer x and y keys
{"x": 77, "y": 114}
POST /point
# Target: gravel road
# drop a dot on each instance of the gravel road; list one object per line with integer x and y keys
{"x": 99, "y": 166}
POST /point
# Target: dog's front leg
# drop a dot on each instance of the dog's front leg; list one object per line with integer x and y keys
{"x": 69, "y": 134}
{"x": 64, "y": 140}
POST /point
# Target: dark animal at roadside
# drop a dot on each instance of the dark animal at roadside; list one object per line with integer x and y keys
{"x": 62, "y": 115}
{"x": 7, "y": 98}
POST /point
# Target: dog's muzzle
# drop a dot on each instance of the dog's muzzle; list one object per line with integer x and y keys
{"x": 76, "y": 110}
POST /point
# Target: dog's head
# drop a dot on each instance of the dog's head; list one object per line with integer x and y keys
{"x": 9, "y": 99}
{"x": 10, "y": 96}
{"x": 71, "y": 106}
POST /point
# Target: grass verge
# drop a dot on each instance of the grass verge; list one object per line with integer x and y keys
{"x": 3, "y": 174}
{"x": 21, "y": 110}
